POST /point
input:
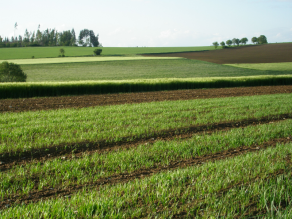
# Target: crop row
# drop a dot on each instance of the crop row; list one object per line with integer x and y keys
{"x": 25, "y": 90}
{"x": 63, "y": 173}
{"x": 42, "y": 129}
{"x": 255, "y": 181}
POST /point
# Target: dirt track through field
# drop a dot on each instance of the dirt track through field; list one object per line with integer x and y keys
{"x": 49, "y": 103}
{"x": 48, "y": 193}
{"x": 269, "y": 53}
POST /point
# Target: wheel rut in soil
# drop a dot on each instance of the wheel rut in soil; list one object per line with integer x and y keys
{"x": 50, "y": 103}
{"x": 49, "y": 193}
{"x": 8, "y": 160}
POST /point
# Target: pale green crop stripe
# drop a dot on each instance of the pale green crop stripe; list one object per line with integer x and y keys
{"x": 80, "y": 59}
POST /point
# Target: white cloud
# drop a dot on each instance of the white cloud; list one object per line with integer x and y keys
{"x": 279, "y": 35}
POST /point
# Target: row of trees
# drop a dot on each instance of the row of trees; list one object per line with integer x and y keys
{"x": 51, "y": 37}
{"x": 262, "y": 39}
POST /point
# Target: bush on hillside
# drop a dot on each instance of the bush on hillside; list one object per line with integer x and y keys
{"x": 10, "y": 72}
{"x": 97, "y": 51}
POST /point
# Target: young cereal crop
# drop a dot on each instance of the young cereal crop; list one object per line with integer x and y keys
{"x": 254, "y": 182}
{"x": 65, "y": 173}
{"x": 42, "y": 129}
{"x": 21, "y": 90}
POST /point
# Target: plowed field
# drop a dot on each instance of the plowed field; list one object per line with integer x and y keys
{"x": 270, "y": 53}
{"x": 19, "y": 105}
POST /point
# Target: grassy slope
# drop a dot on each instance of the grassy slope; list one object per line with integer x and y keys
{"x": 49, "y": 52}
{"x": 283, "y": 66}
{"x": 138, "y": 69}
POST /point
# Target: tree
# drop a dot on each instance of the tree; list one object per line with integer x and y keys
{"x": 89, "y": 37}
{"x": 229, "y": 42}
{"x": 62, "y": 52}
{"x": 216, "y": 44}
{"x": 254, "y": 40}
{"x": 262, "y": 39}
{"x": 244, "y": 40}
{"x": 73, "y": 39}
{"x": 26, "y": 38}
{"x": 10, "y": 72}
{"x": 222, "y": 44}
{"x": 97, "y": 51}
{"x": 234, "y": 41}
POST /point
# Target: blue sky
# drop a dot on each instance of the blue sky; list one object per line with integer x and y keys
{"x": 154, "y": 22}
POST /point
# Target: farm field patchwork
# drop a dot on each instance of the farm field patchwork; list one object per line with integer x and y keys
{"x": 283, "y": 66}
{"x": 209, "y": 153}
{"x": 133, "y": 69}
{"x": 268, "y": 53}
{"x": 53, "y": 52}
{"x": 127, "y": 161}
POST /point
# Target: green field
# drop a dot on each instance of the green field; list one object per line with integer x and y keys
{"x": 82, "y": 59}
{"x": 52, "y": 52}
{"x": 257, "y": 183}
{"x": 204, "y": 158}
{"x": 135, "y": 69}
{"x": 51, "y": 128}
{"x": 283, "y": 66}
{"x": 45, "y": 89}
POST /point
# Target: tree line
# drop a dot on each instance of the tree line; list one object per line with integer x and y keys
{"x": 51, "y": 37}
{"x": 262, "y": 39}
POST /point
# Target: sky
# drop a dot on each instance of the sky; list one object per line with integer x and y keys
{"x": 153, "y": 23}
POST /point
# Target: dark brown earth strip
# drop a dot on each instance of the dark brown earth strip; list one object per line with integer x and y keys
{"x": 65, "y": 150}
{"x": 48, "y": 103}
{"x": 269, "y": 53}
{"x": 48, "y": 193}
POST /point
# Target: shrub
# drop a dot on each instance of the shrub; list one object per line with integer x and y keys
{"x": 10, "y": 72}
{"x": 62, "y": 52}
{"x": 97, "y": 51}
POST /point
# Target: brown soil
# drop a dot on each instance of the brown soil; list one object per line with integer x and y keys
{"x": 20, "y": 105}
{"x": 269, "y": 53}
{"x": 47, "y": 193}
{"x": 42, "y": 155}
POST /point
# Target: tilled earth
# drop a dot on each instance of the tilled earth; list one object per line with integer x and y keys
{"x": 32, "y": 104}
{"x": 269, "y": 53}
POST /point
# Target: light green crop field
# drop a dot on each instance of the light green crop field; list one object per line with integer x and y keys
{"x": 156, "y": 178}
{"x": 92, "y": 168}
{"x": 31, "y": 130}
{"x": 133, "y": 69}
{"x": 53, "y": 52}
{"x": 80, "y": 59}
{"x": 283, "y": 66}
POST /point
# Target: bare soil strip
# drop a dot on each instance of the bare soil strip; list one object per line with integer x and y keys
{"x": 48, "y": 193}
{"x": 269, "y": 53}
{"x": 49, "y": 103}
{"x": 65, "y": 150}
